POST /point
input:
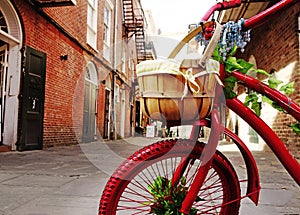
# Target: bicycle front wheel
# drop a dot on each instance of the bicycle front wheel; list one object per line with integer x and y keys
{"x": 130, "y": 188}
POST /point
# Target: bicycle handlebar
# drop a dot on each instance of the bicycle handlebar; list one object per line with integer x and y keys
{"x": 221, "y": 6}
{"x": 266, "y": 14}
{"x": 255, "y": 20}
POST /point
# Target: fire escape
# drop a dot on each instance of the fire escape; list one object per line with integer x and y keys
{"x": 134, "y": 26}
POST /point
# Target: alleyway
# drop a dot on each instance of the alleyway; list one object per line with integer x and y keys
{"x": 69, "y": 180}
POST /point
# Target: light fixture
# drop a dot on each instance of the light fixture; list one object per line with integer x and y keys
{"x": 64, "y": 57}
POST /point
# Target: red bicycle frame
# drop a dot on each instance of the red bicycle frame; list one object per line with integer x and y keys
{"x": 277, "y": 146}
{"x": 273, "y": 141}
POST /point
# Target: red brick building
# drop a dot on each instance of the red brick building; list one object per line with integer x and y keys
{"x": 274, "y": 47}
{"x": 66, "y": 72}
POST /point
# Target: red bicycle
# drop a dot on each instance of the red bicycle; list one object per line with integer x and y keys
{"x": 186, "y": 176}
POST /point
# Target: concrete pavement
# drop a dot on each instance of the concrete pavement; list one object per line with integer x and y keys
{"x": 69, "y": 179}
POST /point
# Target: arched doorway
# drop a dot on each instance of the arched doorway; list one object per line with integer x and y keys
{"x": 90, "y": 103}
{"x": 10, "y": 42}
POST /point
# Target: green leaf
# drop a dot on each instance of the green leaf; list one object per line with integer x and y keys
{"x": 247, "y": 100}
{"x": 288, "y": 88}
{"x": 277, "y": 107}
{"x": 256, "y": 106}
{"x": 267, "y": 100}
{"x": 233, "y": 51}
{"x": 263, "y": 72}
{"x": 216, "y": 55}
{"x": 296, "y": 128}
{"x": 231, "y": 80}
{"x": 229, "y": 86}
{"x": 183, "y": 181}
{"x": 273, "y": 82}
{"x": 250, "y": 98}
{"x": 231, "y": 64}
{"x": 246, "y": 65}
{"x": 229, "y": 94}
{"x": 166, "y": 198}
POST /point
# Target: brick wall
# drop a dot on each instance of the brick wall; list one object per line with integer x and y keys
{"x": 275, "y": 46}
{"x": 64, "y": 90}
{"x": 60, "y": 31}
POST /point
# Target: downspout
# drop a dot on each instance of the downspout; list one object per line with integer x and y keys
{"x": 115, "y": 69}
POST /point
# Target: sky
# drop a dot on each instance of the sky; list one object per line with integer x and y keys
{"x": 173, "y": 16}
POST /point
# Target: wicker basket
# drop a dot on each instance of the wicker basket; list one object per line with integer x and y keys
{"x": 177, "y": 92}
{"x": 163, "y": 95}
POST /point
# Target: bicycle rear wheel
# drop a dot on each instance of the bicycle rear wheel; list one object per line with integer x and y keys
{"x": 127, "y": 191}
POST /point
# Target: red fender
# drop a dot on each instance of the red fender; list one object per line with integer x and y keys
{"x": 253, "y": 187}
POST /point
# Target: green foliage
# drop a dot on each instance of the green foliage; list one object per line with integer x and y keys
{"x": 229, "y": 86}
{"x": 295, "y": 127}
{"x": 216, "y": 56}
{"x": 231, "y": 64}
{"x": 272, "y": 103}
{"x": 262, "y": 72}
{"x": 288, "y": 88}
{"x": 253, "y": 99}
{"x": 168, "y": 199}
{"x": 274, "y": 83}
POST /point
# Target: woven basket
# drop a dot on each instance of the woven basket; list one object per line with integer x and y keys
{"x": 174, "y": 92}
{"x": 163, "y": 99}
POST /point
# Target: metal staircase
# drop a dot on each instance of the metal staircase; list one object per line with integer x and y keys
{"x": 134, "y": 26}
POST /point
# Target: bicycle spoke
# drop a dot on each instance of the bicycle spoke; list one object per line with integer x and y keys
{"x": 136, "y": 195}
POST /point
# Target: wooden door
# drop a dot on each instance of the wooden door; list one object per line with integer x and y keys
{"x": 89, "y": 114}
{"x": 32, "y": 100}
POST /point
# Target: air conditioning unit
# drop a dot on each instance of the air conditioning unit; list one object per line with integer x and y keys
{"x": 54, "y": 3}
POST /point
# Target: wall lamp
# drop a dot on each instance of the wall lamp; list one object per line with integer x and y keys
{"x": 64, "y": 57}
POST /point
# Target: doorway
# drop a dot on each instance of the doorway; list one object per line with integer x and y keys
{"x": 3, "y": 83}
{"x": 32, "y": 100}
{"x": 107, "y": 108}
{"x": 90, "y": 104}
{"x": 11, "y": 59}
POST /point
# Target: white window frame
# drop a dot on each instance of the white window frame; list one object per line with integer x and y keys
{"x": 107, "y": 26}
{"x": 92, "y": 11}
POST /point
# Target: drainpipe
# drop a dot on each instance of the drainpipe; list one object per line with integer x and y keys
{"x": 114, "y": 133}
{"x": 115, "y": 68}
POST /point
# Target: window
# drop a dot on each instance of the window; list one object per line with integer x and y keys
{"x": 92, "y": 23}
{"x": 106, "y": 31}
{"x": 91, "y": 73}
{"x": 88, "y": 74}
{"x": 3, "y": 25}
{"x": 124, "y": 61}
